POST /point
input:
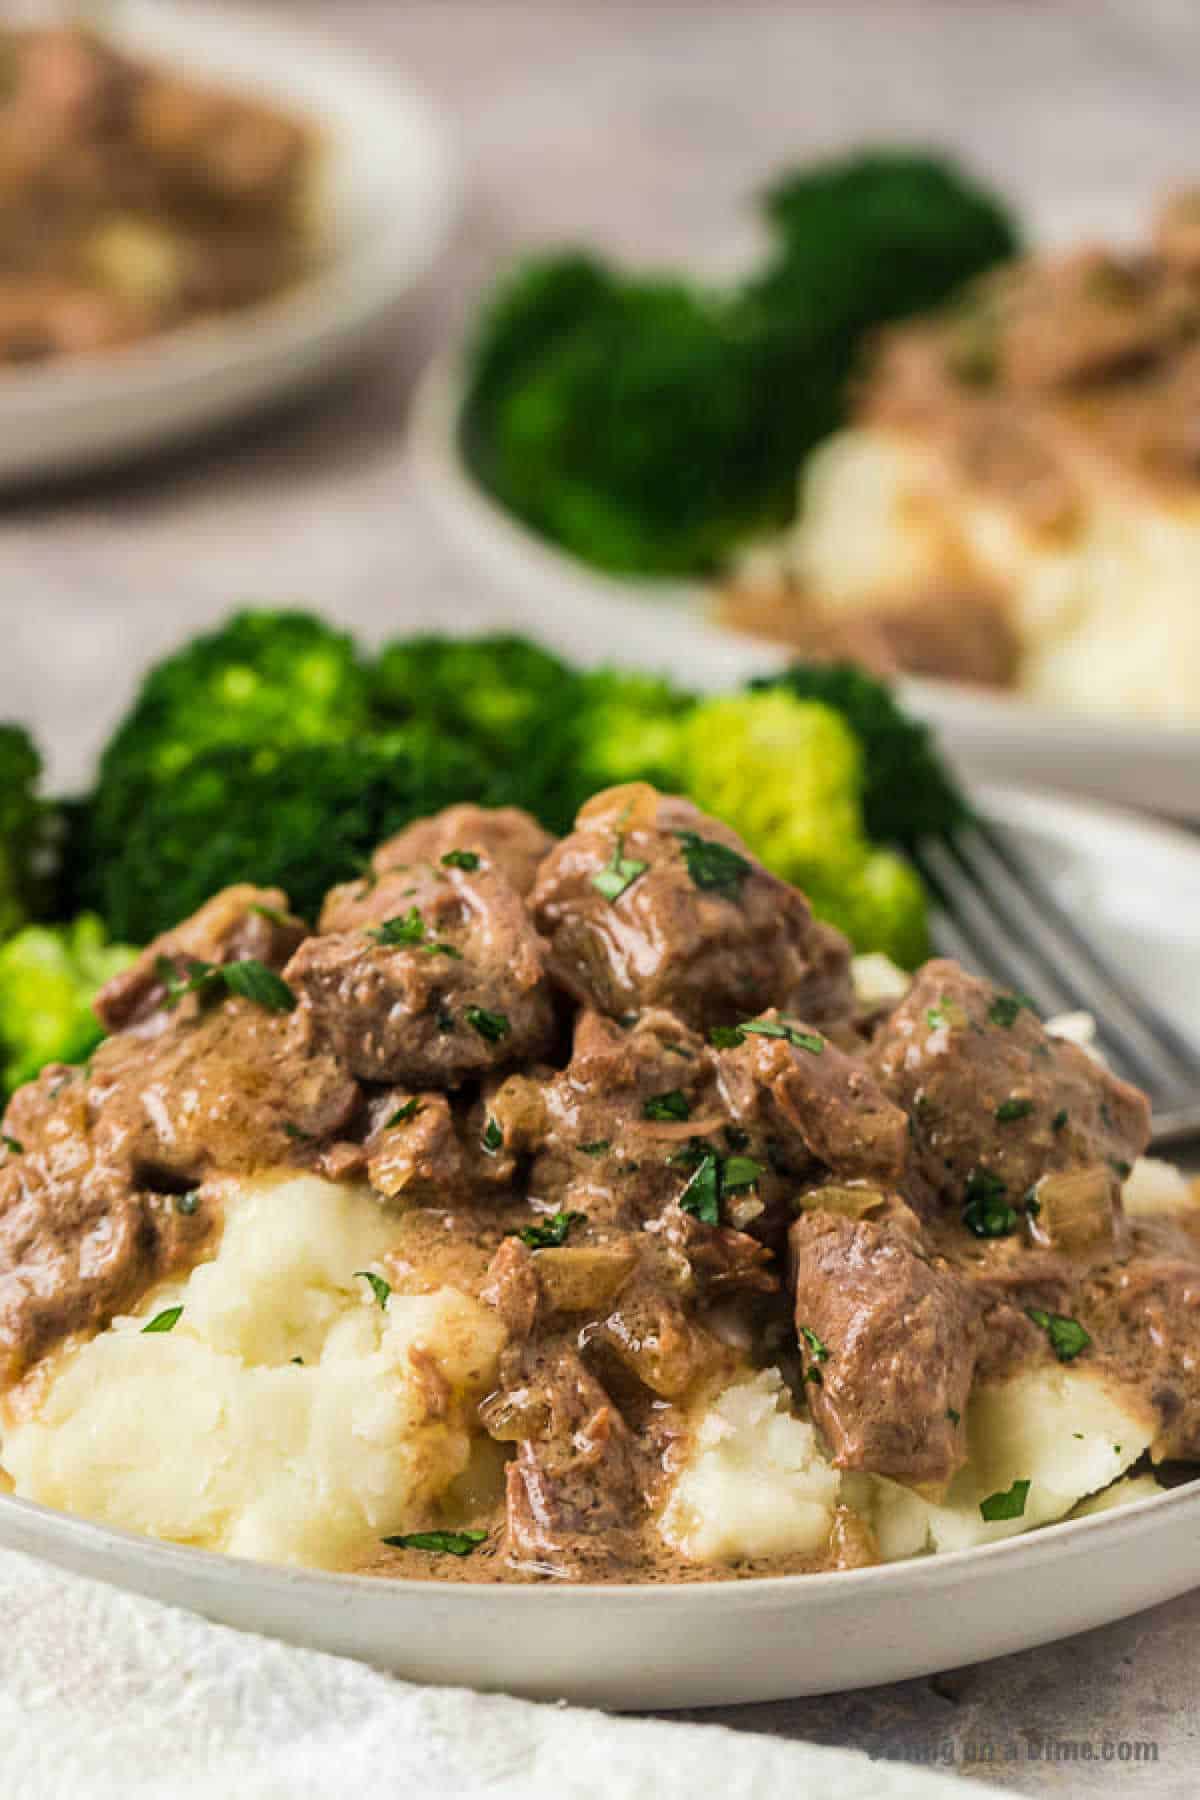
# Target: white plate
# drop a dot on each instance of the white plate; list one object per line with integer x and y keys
{"x": 718, "y": 1643}
{"x": 391, "y": 185}
{"x": 664, "y": 625}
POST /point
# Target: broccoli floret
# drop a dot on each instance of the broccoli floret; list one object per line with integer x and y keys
{"x": 503, "y": 696}
{"x": 300, "y": 817}
{"x": 788, "y": 775}
{"x": 629, "y": 728}
{"x": 49, "y": 976}
{"x": 908, "y": 791}
{"x": 649, "y": 425}
{"x": 23, "y": 819}
{"x": 620, "y": 417}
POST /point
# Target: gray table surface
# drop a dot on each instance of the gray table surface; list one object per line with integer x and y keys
{"x": 641, "y": 126}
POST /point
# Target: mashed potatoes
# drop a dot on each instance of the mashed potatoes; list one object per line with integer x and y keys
{"x": 287, "y": 1415}
{"x": 1106, "y": 611}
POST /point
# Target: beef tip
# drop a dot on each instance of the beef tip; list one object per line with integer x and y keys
{"x": 649, "y": 1333}
{"x": 789, "y": 1083}
{"x": 233, "y": 1088}
{"x": 651, "y": 903}
{"x": 993, "y": 1100}
{"x": 721, "y": 1260}
{"x": 413, "y": 1147}
{"x": 511, "y": 1286}
{"x": 78, "y": 1241}
{"x": 890, "y": 1339}
{"x": 239, "y": 924}
{"x": 1144, "y": 1319}
{"x": 503, "y": 838}
{"x": 573, "y": 1495}
{"x": 1082, "y": 318}
{"x": 440, "y": 979}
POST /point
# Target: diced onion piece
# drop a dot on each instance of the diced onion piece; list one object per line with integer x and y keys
{"x": 583, "y": 1279}
{"x": 848, "y": 1200}
{"x": 1076, "y": 1208}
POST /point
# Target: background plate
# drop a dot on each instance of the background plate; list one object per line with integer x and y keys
{"x": 1138, "y": 885}
{"x": 391, "y": 187}
{"x": 662, "y": 625}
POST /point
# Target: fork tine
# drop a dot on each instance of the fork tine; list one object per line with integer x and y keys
{"x": 1120, "y": 995}
{"x": 1012, "y": 950}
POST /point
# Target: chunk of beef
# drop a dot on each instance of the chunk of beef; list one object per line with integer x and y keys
{"x": 434, "y": 976}
{"x": 788, "y": 1083}
{"x": 573, "y": 1495}
{"x": 1144, "y": 1320}
{"x": 239, "y": 924}
{"x": 992, "y": 1096}
{"x": 650, "y": 903}
{"x": 503, "y": 838}
{"x": 231, "y": 1088}
{"x": 890, "y": 1337}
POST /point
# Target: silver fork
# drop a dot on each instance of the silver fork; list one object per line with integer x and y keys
{"x": 998, "y": 916}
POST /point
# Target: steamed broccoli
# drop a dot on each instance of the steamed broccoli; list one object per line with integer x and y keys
{"x": 22, "y": 828}
{"x": 301, "y": 817}
{"x": 788, "y": 775}
{"x": 48, "y": 978}
{"x": 908, "y": 792}
{"x": 628, "y": 729}
{"x": 514, "y": 702}
{"x": 649, "y": 425}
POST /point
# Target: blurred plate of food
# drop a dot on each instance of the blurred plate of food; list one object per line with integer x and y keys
{"x": 461, "y": 1280}
{"x": 899, "y": 438}
{"x": 206, "y": 209}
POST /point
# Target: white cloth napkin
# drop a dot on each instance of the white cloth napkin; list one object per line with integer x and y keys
{"x": 105, "y": 1696}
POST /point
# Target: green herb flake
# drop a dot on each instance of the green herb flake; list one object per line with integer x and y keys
{"x": 406, "y": 929}
{"x": 294, "y": 1131}
{"x": 404, "y": 1114}
{"x": 491, "y": 1026}
{"x": 271, "y": 914}
{"x": 252, "y": 980}
{"x": 1067, "y": 1336}
{"x": 599, "y": 1147}
{"x": 714, "y": 868}
{"x": 378, "y": 1286}
{"x": 1006, "y": 1008}
{"x": 13, "y": 1145}
{"x": 441, "y": 1543}
{"x": 672, "y": 1105}
{"x": 164, "y": 1321}
{"x": 987, "y": 1212}
{"x": 187, "y": 1204}
{"x": 461, "y": 859}
{"x": 1012, "y": 1109}
{"x": 493, "y": 1137}
{"x": 299, "y": 1361}
{"x": 954, "y": 1416}
{"x": 549, "y": 1233}
{"x": 1008, "y": 1505}
{"x": 1120, "y": 1168}
{"x": 702, "y": 1195}
{"x": 1059, "y": 1121}
{"x": 739, "y": 1174}
{"x": 816, "y": 1349}
{"x": 619, "y": 873}
{"x": 726, "y": 1037}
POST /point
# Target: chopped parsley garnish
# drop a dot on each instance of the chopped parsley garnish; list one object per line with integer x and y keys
{"x": 294, "y": 1131}
{"x": 272, "y": 914}
{"x": 1006, "y": 1007}
{"x": 251, "y": 980}
{"x": 493, "y": 1137}
{"x": 619, "y": 873}
{"x": 1012, "y": 1109}
{"x": 408, "y": 931}
{"x": 13, "y": 1145}
{"x": 461, "y": 859}
{"x": 444, "y": 1019}
{"x": 549, "y": 1233}
{"x": 935, "y": 1018}
{"x": 299, "y": 1360}
{"x": 1059, "y": 1121}
{"x": 739, "y": 1174}
{"x": 728, "y": 1037}
{"x": 702, "y": 1195}
{"x": 816, "y": 1349}
{"x": 597, "y": 1148}
{"x": 1120, "y": 1167}
{"x": 1008, "y": 1505}
{"x": 164, "y": 1321}
{"x": 691, "y": 1154}
{"x": 378, "y": 1286}
{"x": 447, "y": 1543}
{"x": 403, "y": 1114}
{"x": 713, "y": 867}
{"x": 1067, "y": 1336}
{"x": 187, "y": 1204}
{"x": 953, "y": 1415}
{"x": 490, "y": 1025}
{"x": 672, "y": 1105}
{"x": 987, "y": 1212}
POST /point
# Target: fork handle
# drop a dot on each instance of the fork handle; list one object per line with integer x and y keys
{"x": 1179, "y": 1126}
